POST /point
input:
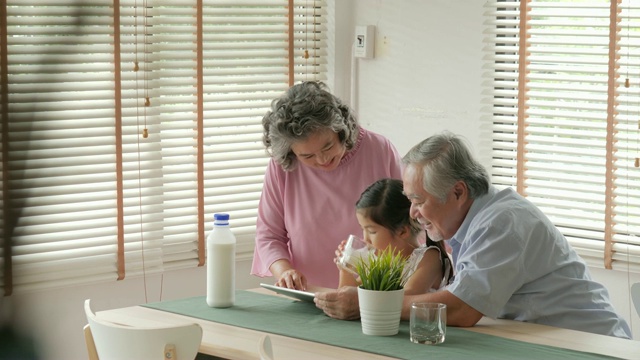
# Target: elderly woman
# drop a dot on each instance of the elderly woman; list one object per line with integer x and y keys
{"x": 321, "y": 160}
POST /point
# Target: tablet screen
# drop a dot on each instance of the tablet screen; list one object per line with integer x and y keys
{"x": 297, "y": 294}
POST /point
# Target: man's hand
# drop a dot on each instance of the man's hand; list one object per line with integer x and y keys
{"x": 339, "y": 304}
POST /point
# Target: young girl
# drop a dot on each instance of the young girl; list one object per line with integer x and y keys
{"x": 383, "y": 214}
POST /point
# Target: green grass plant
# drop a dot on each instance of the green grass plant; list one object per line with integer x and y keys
{"x": 383, "y": 271}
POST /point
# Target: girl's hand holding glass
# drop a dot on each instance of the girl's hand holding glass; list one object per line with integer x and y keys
{"x": 351, "y": 251}
{"x": 339, "y": 252}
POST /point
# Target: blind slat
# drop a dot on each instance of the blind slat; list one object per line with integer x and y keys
{"x": 569, "y": 124}
{"x": 63, "y": 109}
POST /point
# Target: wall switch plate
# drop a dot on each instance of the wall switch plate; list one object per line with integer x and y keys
{"x": 365, "y": 38}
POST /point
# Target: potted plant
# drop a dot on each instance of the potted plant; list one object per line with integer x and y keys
{"x": 381, "y": 292}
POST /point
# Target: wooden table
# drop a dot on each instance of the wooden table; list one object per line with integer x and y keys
{"x": 231, "y": 342}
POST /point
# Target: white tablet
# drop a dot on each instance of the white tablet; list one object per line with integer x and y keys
{"x": 297, "y": 294}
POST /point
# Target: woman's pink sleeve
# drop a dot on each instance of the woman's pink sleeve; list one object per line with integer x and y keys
{"x": 271, "y": 235}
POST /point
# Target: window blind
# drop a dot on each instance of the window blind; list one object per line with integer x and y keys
{"x": 128, "y": 123}
{"x": 565, "y": 126}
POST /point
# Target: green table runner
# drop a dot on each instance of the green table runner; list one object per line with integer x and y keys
{"x": 302, "y": 320}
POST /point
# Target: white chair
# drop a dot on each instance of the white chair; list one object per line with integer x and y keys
{"x": 635, "y": 296}
{"x": 265, "y": 348}
{"x": 106, "y": 340}
{"x": 91, "y": 345}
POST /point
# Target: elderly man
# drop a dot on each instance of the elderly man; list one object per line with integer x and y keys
{"x": 510, "y": 260}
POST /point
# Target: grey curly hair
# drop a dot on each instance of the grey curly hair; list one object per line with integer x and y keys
{"x": 302, "y": 111}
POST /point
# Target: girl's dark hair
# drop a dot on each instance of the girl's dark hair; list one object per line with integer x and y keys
{"x": 385, "y": 203}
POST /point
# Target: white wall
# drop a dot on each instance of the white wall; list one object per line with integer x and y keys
{"x": 425, "y": 78}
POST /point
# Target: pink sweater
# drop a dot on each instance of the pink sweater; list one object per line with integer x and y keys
{"x": 304, "y": 214}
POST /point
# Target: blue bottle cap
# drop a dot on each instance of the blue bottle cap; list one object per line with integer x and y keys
{"x": 221, "y": 216}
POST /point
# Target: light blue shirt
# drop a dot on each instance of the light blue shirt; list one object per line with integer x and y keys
{"x": 511, "y": 262}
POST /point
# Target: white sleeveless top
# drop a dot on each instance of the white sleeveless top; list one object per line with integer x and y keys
{"x": 416, "y": 256}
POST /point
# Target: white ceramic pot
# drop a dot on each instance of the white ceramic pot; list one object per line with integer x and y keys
{"x": 380, "y": 311}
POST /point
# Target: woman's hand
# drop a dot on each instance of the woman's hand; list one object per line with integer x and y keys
{"x": 292, "y": 279}
{"x": 287, "y": 276}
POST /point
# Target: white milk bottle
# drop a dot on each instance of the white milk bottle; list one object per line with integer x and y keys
{"x": 221, "y": 263}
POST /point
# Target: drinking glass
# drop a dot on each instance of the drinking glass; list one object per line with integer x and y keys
{"x": 354, "y": 250}
{"x": 428, "y": 323}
